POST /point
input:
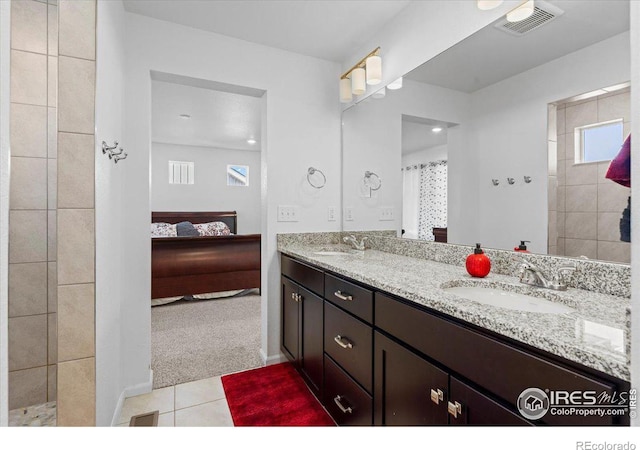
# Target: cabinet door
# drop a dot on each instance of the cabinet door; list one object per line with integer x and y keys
{"x": 312, "y": 325}
{"x": 408, "y": 390}
{"x": 467, "y": 406}
{"x": 290, "y": 319}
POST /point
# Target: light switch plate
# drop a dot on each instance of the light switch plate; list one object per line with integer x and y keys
{"x": 348, "y": 213}
{"x": 386, "y": 213}
{"x": 331, "y": 214}
{"x": 288, "y": 213}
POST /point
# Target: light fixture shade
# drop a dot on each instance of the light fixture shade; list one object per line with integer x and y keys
{"x": 521, "y": 12}
{"x": 345, "y": 90}
{"x": 395, "y": 84}
{"x": 374, "y": 70}
{"x": 486, "y": 5}
{"x": 380, "y": 93}
{"x": 358, "y": 84}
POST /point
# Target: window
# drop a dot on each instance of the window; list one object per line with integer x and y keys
{"x": 237, "y": 175}
{"x": 599, "y": 141}
{"x": 181, "y": 172}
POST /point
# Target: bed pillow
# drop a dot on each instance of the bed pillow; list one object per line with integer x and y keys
{"x": 186, "y": 229}
{"x": 212, "y": 229}
{"x": 162, "y": 229}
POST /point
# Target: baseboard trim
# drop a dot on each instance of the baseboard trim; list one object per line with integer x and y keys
{"x": 131, "y": 391}
{"x": 273, "y": 359}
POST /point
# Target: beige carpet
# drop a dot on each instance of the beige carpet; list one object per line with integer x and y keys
{"x": 197, "y": 339}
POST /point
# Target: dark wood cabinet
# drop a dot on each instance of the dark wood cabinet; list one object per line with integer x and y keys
{"x": 372, "y": 358}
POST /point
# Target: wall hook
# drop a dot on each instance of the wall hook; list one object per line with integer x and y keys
{"x": 495, "y": 181}
{"x": 106, "y": 149}
{"x": 511, "y": 180}
{"x": 527, "y": 179}
{"x": 117, "y": 157}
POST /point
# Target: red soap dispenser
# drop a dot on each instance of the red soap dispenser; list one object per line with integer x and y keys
{"x": 478, "y": 264}
{"x": 522, "y": 247}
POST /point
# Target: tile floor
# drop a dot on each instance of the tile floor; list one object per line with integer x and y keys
{"x": 199, "y": 403}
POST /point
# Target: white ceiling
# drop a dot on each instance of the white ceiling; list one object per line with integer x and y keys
{"x": 417, "y": 133}
{"x": 327, "y": 29}
{"x": 491, "y": 55}
{"x": 218, "y": 119}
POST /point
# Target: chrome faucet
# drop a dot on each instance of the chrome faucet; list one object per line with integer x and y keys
{"x": 351, "y": 239}
{"x": 532, "y": 275}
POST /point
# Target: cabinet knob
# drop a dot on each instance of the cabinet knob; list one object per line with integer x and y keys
{"x": 343, "y": 296}
{"x": 293, "y": 296}
{"x": 345, "y": 409}
{"x": 342, "y": 342}
{"x": 454, "y": 409}
{"x": 437, "y": 396}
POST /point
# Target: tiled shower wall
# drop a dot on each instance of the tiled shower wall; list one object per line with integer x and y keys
{"x": 32, "y": 214}
{"x": 585, "y": 216}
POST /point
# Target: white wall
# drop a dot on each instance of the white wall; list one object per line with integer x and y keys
{"x": 509, "y": 139}
{"x": 111, "y": 344}
{"x": 436, "y": 153}
{"x": 5, "y": 29}
{"x": 209, "y": 191}
{"x": 302, "y": 129}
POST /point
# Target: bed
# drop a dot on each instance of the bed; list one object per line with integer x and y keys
{"x": 202, "y": 266}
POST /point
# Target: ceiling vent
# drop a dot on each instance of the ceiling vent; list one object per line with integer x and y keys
{"x": 542, "y": 13}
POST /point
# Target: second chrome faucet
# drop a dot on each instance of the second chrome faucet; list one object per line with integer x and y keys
{"x": 532, "y": 275}
{"x": 351, "y": 239}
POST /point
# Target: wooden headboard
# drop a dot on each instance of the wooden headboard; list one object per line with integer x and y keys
{"x": 228, "y": 217}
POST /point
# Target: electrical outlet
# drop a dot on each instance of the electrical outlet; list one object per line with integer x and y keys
{"x": 288, "y": 213}
{"x": 386, "y": 213}
{"x": 331, "y": 214}
{"x": 348, "y": 213}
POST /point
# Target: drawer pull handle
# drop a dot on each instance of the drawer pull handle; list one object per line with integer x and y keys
{"x": 454, "y": 409}
{"x": 341, "y": 296}
{"x": 338, "y": 402}
{"x": 437, "y": 396}
{"x": 293, "y": 296}
{"x": 342, "y": 342}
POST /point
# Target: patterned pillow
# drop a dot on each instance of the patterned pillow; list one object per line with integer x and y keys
{"x": 162, "y": 229}
{"x": 212, "y": 229}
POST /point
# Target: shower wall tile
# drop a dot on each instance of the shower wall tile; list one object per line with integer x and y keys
{"x": 582, "y": 198}
{"x": 52, "y": 290}
{"x": 612, "y": 197}
{"x": 28, "y": 78}
{"x": 581, "y": 174}
{"x": 27, "y": 387}
{"x": 614, "y": 251}
{"x": 27, "y": 289}
{"x": 52, "y": 235}
{"x": 581, "y": 114}
{"x": 52, "y": 388}
{"x": 52, "y": 183}
{"x": 27, "y": 342}
{"x": 560, "y": 120}
{"x": 76, "y": 326}
{"x": 77, "y": 392}
{"x": 52, "y": 132}
{"x": 29, "y": 26}
{"x": 28, "y": 130}
{"x": 53, "y": 30}
{"x": 27, "y": 236}
{"x": 581, "y": 247}
{"x": 52, "y": 333}
{"x": 609, "y": 226}
{"x": 76, "y": 170}
{"x": 76, "y": 246}
{"x": 614, "y": 107}
{"x": 52, "y": 81}
{"x": 76, "y": 95}
{"x": 77, "y": 29}
{"x": 28, "y": 188}
{"x": 580, "y": 225}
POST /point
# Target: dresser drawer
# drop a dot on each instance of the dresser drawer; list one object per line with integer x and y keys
{"x": 355, "y": 299}
{"x": 309, "y": 277}
{"x": 503, "y": 370}
{"x": 347, "y": 402}
{"x": 350, "y": 343}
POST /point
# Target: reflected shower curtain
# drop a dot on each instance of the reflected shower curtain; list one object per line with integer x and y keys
{"x": 433, "y": 199}
{"x": 410, "y": 200}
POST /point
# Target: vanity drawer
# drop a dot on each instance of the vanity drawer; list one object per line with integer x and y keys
{"x": 503, "y": 370}
{"x": 343, "y": 330}
{"x": 307, "y": 276}
{"x": 345, "y": 401}
{"x": 355, "y": 299}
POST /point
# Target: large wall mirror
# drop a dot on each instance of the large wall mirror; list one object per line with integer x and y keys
{"x": 486, "y": 141}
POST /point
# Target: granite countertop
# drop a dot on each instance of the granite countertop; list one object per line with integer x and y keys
{"x": 595, "y": 334}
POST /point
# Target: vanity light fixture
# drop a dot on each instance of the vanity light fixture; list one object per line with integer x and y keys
{"x": 367, "y": 71}
{"x": 521, "y": 12}
{"x": 397, "y": 84}
{"x": 436, "y": 129}
{"x": 486, "y": 5}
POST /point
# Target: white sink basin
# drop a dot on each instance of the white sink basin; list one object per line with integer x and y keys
{"x": 509, "y": 300}
{"x": 331, "y": 253}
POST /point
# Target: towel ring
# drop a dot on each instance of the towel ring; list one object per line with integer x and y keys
{"x": 372, "y": 180}
{"x": 312, "y": 171}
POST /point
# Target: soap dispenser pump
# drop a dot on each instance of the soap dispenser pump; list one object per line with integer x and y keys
{"x": 522, "y": 247}
{"x": 478, "y": 264}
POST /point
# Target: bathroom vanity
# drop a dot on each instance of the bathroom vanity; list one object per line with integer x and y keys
{"x": 380, "y": 340}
